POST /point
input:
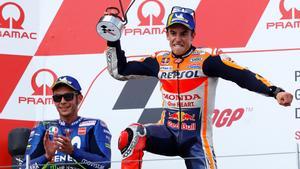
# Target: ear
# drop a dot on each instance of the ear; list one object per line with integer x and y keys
{"x": 80, "y": 97}
{"x": 193, "y": 34}
{"x": 167, "y": 34}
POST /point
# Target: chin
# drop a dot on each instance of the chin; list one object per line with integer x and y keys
{"x": 64, "y": 113}
{"x": 178, "y": 53}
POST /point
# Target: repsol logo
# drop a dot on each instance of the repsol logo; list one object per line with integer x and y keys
{"x": 180, "y": 74}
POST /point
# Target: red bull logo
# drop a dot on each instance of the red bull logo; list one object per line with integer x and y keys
{"x": 187, "y": 121}
{"x": 184, "y": 116}
{"x": 174, "y": 116}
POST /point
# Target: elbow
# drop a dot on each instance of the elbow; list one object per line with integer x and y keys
{"x": 117, "y": 76}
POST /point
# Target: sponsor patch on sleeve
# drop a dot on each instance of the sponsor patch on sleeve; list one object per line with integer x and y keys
{"x": 81, "y": 131}
{"x": 87, "y": 123}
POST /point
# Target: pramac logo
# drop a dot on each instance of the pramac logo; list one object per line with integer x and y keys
{"x": 150, "y": 23}
{"x": 146, "y": 20}
{"x": 11, "y": 22}
{"x": 13, "y": 26}
{"x": 43, "y": 89}
{"x": 290, "y": 15}
{"x": 41, "y": 93}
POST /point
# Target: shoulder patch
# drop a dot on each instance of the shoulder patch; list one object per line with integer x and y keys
{"x": 102, "y": 123}
{"x": 87, "y": 123}
{"x": 212, "y": 51}
{"x": 198, "y": 52}
{"x": 162, "y": 53}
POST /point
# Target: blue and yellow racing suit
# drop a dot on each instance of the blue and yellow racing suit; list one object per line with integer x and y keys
{"x": 90, "y": 139}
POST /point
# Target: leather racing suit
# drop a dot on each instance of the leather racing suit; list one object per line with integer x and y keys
{"x": 90, "y": 139}
{"x": 188, "y": 86}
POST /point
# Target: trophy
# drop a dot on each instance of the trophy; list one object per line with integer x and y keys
{"x": 111, "y": 24}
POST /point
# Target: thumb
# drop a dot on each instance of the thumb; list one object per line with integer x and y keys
{"x": 46, "y": 137}
{"x": 68, "y": 133}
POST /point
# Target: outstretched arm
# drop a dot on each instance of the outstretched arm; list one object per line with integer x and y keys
{"x": 227, "y": 69}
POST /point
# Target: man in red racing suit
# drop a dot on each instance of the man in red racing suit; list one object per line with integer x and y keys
{"x": 188, "y": 77}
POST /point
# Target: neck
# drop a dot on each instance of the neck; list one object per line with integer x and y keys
{"x": 69, "y": 119}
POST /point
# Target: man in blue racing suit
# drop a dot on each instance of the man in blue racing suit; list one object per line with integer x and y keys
{"x": 71, "y": 141}
{"x": 188, "y": 77}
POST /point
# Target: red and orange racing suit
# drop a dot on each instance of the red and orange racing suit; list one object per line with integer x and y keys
{"x": 188, "y": 86}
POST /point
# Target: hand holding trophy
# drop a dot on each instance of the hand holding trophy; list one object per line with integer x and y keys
{"x": 111, "y": 24}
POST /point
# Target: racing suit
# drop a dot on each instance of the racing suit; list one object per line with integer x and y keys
{"x": 188, "y": 85}
{"x": 90, "y": 139}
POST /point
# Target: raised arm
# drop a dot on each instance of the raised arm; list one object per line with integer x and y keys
{"x": 120, "y": 69}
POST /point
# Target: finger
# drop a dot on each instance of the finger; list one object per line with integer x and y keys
{"x": 59, "y": 142}
{"x": 46, "y": 136}
{"x": 62, "y": 139}
{"x": 68, "y": 133}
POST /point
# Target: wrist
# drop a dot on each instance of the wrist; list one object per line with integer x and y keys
{"x": 275, "y": 90}
{"x": 73, "y": 150}
{"x": 113, "y": 44}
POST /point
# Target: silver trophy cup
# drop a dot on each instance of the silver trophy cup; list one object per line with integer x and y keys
{"x": 110, "y": 25}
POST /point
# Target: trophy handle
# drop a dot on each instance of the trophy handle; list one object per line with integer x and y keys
{"x": 114, "y": 11}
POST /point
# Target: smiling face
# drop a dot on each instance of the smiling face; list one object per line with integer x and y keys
{"x": 180, "y": 38}
{"x": 67, "y": 106}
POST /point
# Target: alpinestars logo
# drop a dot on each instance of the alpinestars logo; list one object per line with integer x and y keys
{"x": 41, "y": 93}
{"x": 151, "y": 24}
{"x": 290, "y": 16}
{"x": 12, "y": 26}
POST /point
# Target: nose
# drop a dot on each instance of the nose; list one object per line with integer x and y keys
{"x": 63, "y": 100}
{"x": 176, "y": 36}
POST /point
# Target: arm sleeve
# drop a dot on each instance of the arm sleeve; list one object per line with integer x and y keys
{"x": 120, "y": 69}
{"x": 35, "y": 148}
{"x": 99, "y": 154}
{"x": 216, "y": 67}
